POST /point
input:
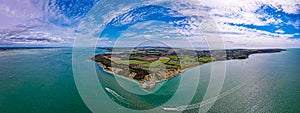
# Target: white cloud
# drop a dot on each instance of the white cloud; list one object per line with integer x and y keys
{"x": 14, "y": 12}
{"x": 273, "y": 21}
{"x": 147, "y": 37}
{"x": 221, "y": 11}
{"x": 166, "y": 37}
{"x": 26, "y": 36}
{"x": 242, "y": 11}
{"x": 240, "y": 37}
{"x": 279, "y": 31}
{"x": 215, "y": 16}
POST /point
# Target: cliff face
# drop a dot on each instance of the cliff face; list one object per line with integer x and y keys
{"x": 136, "y": 72}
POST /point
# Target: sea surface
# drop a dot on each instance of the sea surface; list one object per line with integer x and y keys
{"x": 43, "y": 80}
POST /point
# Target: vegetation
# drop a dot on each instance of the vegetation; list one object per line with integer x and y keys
{"x": 163, "y": 59}
{"x": 127, "y": 62}
{"x": 174, "y": 58}
{"x": 137, "y": 64}
{"x": 206, "y": 59}
{"x": 135, "y": 56}
{"x": 140, "y": 73}
{"x": 187, "y": 58}
{"x": 100, "y": 58}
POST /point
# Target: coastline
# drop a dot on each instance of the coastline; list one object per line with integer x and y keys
{"x": 141, "y": 83}
{"x": 113, "y": 74}
{"x": 5, "y": 50}
{"x": 150, "y": 80}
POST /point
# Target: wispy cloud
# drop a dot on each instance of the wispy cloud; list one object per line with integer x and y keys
{"x": 259, "y": 23}
{"x": 245, "y": 24}
{"x": 21, "y": 36}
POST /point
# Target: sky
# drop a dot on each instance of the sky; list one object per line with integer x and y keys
{"x": 239, "y": 23}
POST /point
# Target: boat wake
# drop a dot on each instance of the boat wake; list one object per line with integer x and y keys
{"x": 206, "y": 102}
{"x": 115, "y": 94}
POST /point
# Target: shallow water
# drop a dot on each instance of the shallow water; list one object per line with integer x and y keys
{"x": 41, "y": 80}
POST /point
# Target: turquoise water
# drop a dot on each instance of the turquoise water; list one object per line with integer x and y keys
{"x": 41, "y": 80}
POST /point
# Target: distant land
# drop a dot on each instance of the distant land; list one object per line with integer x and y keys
{"x": 6, "y": 49}
{"x": 13, "y": 48}
{"x": 151, "y": 65}
{"x": 2, "y": 50}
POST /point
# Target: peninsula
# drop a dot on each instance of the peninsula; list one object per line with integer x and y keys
{"x": 151, "y": 65}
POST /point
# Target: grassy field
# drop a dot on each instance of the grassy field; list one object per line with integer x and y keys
{"x": 173, "y": 57}
{"x": 127, "y": 62}
{"x": 187, "y": 58}
{"x": 163, "y": 59}
{"x": 170, "y": 62}
{"x": 206, "y": 59}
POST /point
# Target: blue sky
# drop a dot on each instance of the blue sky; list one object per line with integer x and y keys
{"x": 241, "y": 24}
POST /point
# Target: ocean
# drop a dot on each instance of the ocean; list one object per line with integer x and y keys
{"x": 44, "y": 80}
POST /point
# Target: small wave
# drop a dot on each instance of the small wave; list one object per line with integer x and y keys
{"x": 115, "y": 94}
{"x": 208, "y": 101}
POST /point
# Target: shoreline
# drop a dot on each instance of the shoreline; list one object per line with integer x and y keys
{"x": 182, "y": 71}
{"x": 150, "y": 80}
{"x": 113, "y": 74}
{"x": 5, "y": 50}
{"x": 164, "y": 80}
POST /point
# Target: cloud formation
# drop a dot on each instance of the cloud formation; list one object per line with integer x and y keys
{"x": 23, "y": 36}
{"x": 259, "y": 23}
{"x": 245, "y": 24}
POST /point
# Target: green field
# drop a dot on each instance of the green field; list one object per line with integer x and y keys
{"x": 170, "y": 62}
{"x": 127, "y": 62}
{"x": 206, "y": 59}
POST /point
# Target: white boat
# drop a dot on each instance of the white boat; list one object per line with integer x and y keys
{"x": 171, "y": 109}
